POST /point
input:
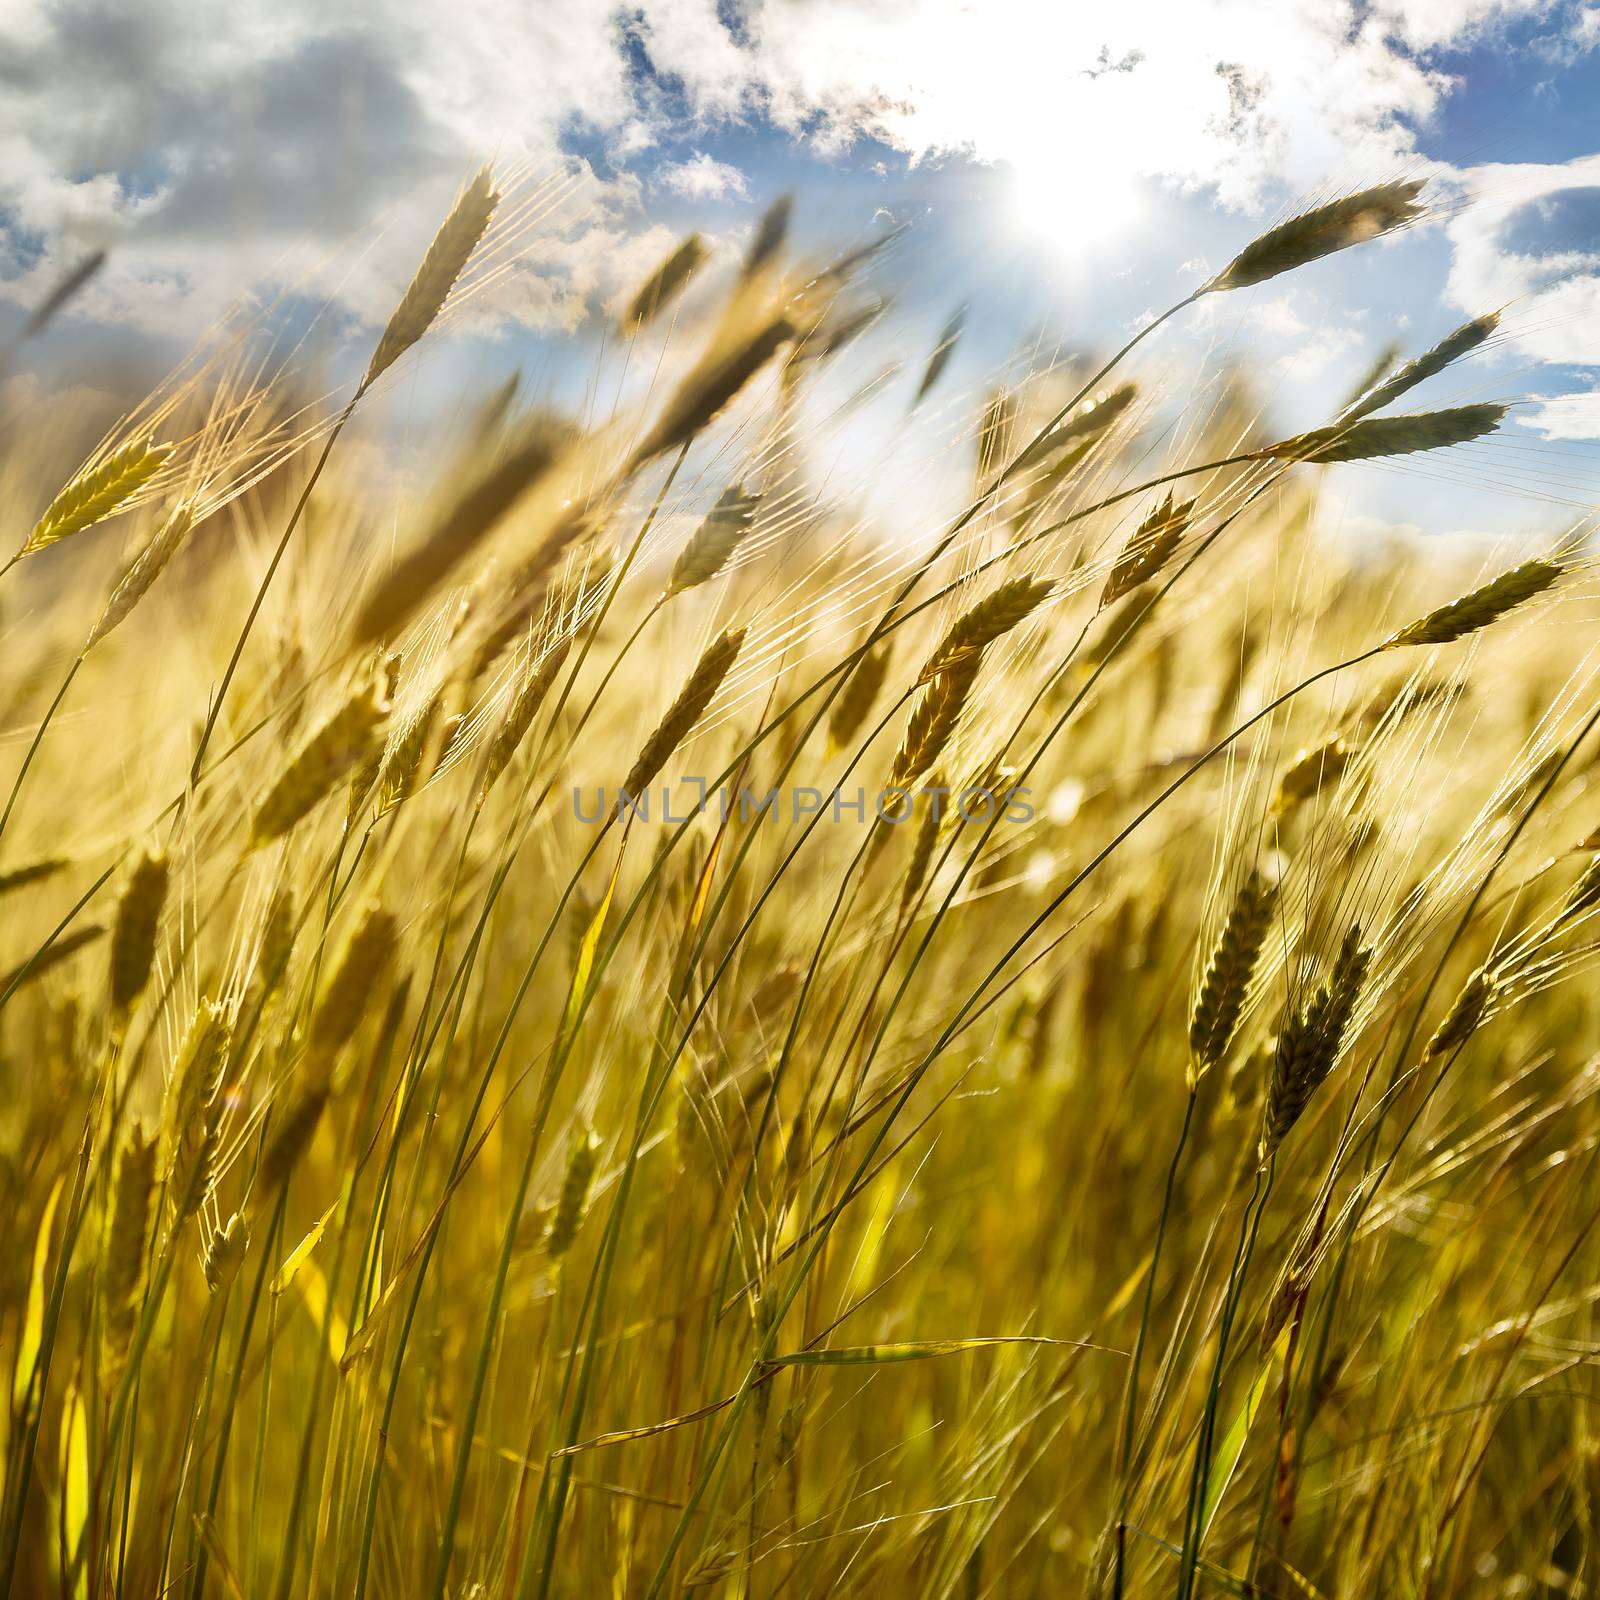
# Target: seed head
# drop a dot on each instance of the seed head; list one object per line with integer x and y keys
{"x": 711, "y": 387}
{"x": 1374, "y": 437}
{"x": 225, "y": 1254}
{"x": 127, "y": 1241}
{"x": 856, "y": 698}
{"x": 712, "y": 667}
{"x": 1220, "y": 998}
{"x": 933, "y": 722}
{"x": 366, "y": 956}
{"x": 442, "y": 265}
{"x": 713, "y": 543}
{"x": 193, "y": 1111}
{"x": 1479, "y": 608}
{"x": 292, "y": 1131}
{"x": 524, "y": 708}
{"x": 97, "y": 492}
{"x": 1309, "y": 1045}
{"x": 979, "y": 627}
{"x": 147, "y": 566}
{"x": 1463, "y": 1017}
{"x": 1310, "y": 773}
{"x": 665, "y": 284}
{"x": 346, "y": 739}
{"x": 1451, "y": 348}
{"x": 1148, "y": 550}
{"x": 1317, "y": 233}
{"x": 574, "y": 1199}
{"x": 133, "y": 936}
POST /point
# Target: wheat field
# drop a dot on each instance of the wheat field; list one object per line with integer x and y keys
{"x": 591, "y": 1022}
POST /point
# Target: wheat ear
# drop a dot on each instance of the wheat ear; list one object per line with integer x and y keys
{"x": 1319, "y": 232}
{"x": 445, "y": 260}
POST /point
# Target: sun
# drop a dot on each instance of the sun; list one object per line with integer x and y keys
{"x": 1078, "y": 210}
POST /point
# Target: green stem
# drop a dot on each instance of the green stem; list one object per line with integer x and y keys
{"x": 215, "y": 709}
{"x": 38, "y": 739}
{"x": 1130, "y": 1403}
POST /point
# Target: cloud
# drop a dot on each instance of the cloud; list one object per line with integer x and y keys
{"x": 1564, "y": 416}
{"x": 251, "y": 145}
{"x": 1428, "y": 24}
{"x": 703, "y": 178}
{"x": 1530, "y": 241}
{"x": 255, "y": 151}
{"x": 1235, "y": 98}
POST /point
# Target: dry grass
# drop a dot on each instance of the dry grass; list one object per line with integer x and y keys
{"x": 1173, "y": 1174}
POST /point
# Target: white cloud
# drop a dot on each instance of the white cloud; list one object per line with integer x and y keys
{"x": 1564, "y": 416}
{"x": 704, "y": 178}
{"x": 1530, "y": 241}
{"x": 248, "y": 145}
{"x": 254, "y": 150}
{"x": 1085, "y": 100}
{"x": 1426, "y": 24}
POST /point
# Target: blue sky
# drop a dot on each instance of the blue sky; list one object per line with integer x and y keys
{"x": 1064, "y": 171}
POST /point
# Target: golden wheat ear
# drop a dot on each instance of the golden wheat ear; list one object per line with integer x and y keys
{"x": 442, "y": 266}
{"x": 712, "y": 545}
{"x": 574, "y": 1199}
{"x": 1463, "y": 1017}
{"x": 193, "y": 1112}
{"x": 1451, "y": 348}
{"x": 1355, "y": 219}
{"x": 476, "y": 511}
{"x": 712, "y": 667}
{"x": 665, "y": 284}
{"x": 1309, "y": 1044}
{"x": 147, "y": 566}
{"x": 96, "y": 493}
{"x": 225, "y": 1254}
{"x": 988, "y": 620}
{"x": 126, "y": 1245}
{"x": 858, "y": 694}
{"x": 524, "y": 708}
{"x": 1480, "y": 607}
{"x": 133, "y": 935}
{"x": 710, "y": 388}
{"x": 1149, "y": 548}
{"x": 344, "y": 741}
{"x": 1372, "y": 438}
{"x": 1219, "y": 1001}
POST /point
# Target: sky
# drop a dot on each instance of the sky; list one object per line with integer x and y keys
{"x": 1064, "y": 170}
